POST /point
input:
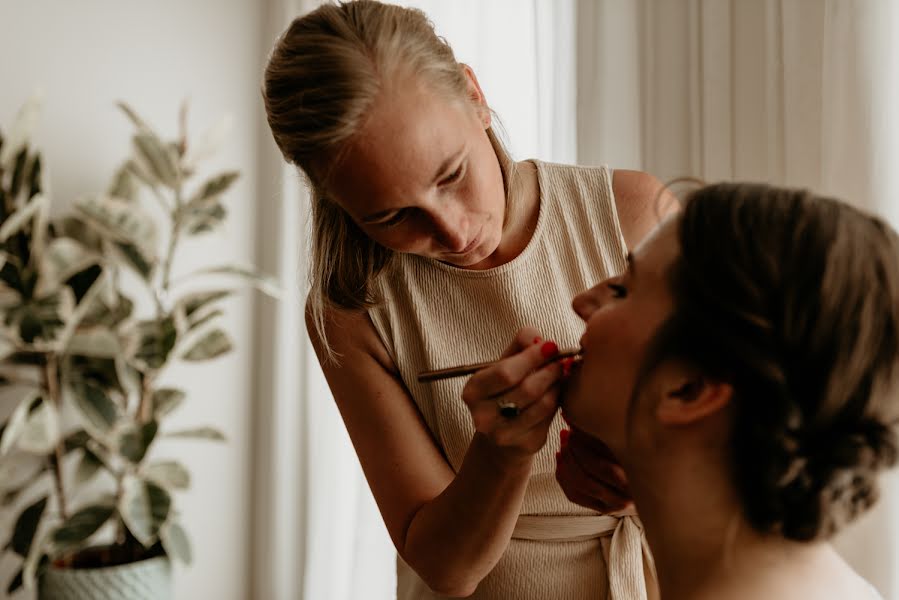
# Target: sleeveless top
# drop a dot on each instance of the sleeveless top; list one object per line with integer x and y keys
{"x": 433, "y": 315}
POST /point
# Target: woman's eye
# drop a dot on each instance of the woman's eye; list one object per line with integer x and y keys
{"x": 455, "y": 176}
{"x": 396, "y": 219}
{"x": 618, "y": 290}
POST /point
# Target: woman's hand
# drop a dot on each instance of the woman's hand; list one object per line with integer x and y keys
{"x": 526, "y": 378}
{"x": 589, "y": 473}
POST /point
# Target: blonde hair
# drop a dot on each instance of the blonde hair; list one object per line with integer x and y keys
{"x": 323, "y": 76}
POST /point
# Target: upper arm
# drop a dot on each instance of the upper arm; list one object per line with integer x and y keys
{"x": 642, "y": 202}
{"x": 403, "y": 465}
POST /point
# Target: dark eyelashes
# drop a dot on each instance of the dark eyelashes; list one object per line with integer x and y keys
{"x": 618, "y": 290}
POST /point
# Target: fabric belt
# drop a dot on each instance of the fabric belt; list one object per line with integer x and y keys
{"x": 628, "y": 550}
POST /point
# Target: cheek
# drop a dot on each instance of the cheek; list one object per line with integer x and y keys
{"x": 597, "y": 399}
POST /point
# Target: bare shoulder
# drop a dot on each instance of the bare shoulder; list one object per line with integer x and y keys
{"x": 402, "y": 463}
{"x": 642, "y": 202}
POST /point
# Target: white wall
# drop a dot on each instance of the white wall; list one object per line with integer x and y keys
{"x": 85, "y": 55}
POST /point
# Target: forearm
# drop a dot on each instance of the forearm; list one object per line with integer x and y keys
{"x": 455, "y": 540}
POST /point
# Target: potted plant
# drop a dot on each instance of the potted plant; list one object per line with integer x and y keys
{"x": 82, "y": 362}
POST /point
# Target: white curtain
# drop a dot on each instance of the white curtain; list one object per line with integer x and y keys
{"x": 795, "y": 92}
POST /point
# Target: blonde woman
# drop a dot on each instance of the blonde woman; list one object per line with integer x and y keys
{"x": 430, "y": 248}
{"x": 745, "y": 370}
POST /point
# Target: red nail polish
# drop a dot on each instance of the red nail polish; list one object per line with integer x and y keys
{"x": 566, "y": 366}
{"x": 563, "y": 437}
{"x": 549, "y": 349}
{"x": 538, "y": 339}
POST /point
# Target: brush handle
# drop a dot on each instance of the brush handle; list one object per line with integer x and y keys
{"x": 461, "y": 371}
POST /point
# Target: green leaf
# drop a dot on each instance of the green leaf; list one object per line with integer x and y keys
{"x": 134, "y": 257}
{"x": 122, "y": 221}
{"x": 82, "y": 525}
{"x": 124, "y": 185}
{"x": 214, "y": 187}
{"x": 41, "y": 431}
{"x": 134, "y": 442}
{"x": 96, "y": 409}
{"x": 63, "y": 258}
{"x": 156, "y": 158}
{"x": 132, "y": 115}
{"x": 26, "y": 526}
{"x": 88, "y": 466}
{"x": 176, "y": 543}
{"x": 81, "y": 231}
{"x": 264, "y": 283}
{"x": 17, "y": 469}
{"x": 205, "y": 433}
{"x": 76, "y": 440}
{"x": 20, "y": 132}
{"x": 194, "y": 302}
{"x": 169, "y": 474}
{"x": 155, "y": 342}
{"x": 144, "y": 507}
{"x": 205, "y": 218}
{"x": 15, "y": 583}
{"x": 95, "y": 341}
{"x": 18, "y": 174}
{"x": 42, "y": 317}
{"x": 17, "y": 421}
{"x": 18, "y": 220}
{"x": 212, "y": 345}
{"x": 199, "y": 322}
{"x": 165, "y": 400}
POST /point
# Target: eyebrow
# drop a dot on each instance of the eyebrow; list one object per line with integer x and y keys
{"x": 444, "y": 167}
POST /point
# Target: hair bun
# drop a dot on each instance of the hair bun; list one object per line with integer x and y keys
{"x": 831, "y": 479}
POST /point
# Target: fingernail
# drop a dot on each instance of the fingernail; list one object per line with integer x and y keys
{"x": 549, "y": 349}
{"x": 566, "y": 366}
{"x": 563, "y": 437}
{"x": 538, "y": 339}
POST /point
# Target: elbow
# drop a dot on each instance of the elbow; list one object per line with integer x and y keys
{"x": 453, "y": 581}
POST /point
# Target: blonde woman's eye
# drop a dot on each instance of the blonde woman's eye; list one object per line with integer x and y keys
{"x": 455, "y": 176}
{"x": 618, "y": 290}
{"x": 396, "y": 219}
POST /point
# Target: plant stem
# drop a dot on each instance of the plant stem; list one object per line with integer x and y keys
{"x": 173, "y": 239}
{"x": 51, "y": 375}
{"x": 145, "y": 406}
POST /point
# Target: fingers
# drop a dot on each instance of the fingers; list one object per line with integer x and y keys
{"x": 589, "y": 475}
{"x": 536, "y": 396}
{"x": 509, "y": 372}
{"x": 526, "y": 337}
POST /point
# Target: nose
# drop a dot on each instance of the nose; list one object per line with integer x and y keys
{"x": 450, "y": 230}
{"x": 587, "y": 302}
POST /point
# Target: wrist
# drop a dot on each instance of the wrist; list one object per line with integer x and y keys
{"x": 504, "y": 461}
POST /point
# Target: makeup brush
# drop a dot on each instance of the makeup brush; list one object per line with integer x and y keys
{"x": 461, "y": 371}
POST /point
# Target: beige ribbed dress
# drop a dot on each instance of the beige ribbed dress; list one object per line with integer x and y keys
{"x": 435, "y": 315}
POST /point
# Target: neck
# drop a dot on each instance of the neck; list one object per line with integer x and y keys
{"x": 522, "y": 213}
{"x": 700, "y": 540}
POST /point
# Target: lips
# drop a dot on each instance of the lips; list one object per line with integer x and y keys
{"x": 471, "y": 245}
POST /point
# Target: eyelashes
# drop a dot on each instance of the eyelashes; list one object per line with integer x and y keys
{"x": 401, "y": 215}
{"x": 618, "y": 290}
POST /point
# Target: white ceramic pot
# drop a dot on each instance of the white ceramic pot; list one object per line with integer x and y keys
{"x": 149, "y": 579}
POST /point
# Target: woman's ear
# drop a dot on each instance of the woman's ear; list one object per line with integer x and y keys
{"x": 476, "y": 96}
{"x": 689, "y": 397}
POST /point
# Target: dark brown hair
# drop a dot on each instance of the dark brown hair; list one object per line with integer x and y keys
{"x": 794, "y": 300}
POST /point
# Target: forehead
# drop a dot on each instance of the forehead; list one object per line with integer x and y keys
{"x": 658, "y": 251}
{"x": 410, "y": 132}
